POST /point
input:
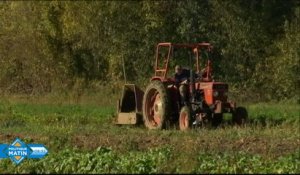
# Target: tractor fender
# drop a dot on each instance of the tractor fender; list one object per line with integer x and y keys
{"x": 161, "y": 79}
{"x": 220, "y": 107}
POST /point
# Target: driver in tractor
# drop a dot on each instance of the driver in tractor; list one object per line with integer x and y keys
{"x": 181, "y": 80}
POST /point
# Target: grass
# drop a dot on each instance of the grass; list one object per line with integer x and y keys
{"x": 274, "y": 112}
{"x": 154, "y": 160}
{"x": 269, "y": 144}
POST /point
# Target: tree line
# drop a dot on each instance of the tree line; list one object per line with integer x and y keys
{"x": 50, "y": 45}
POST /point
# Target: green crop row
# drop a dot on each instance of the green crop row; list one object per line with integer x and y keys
{"x": 244, "y": 163}
{"x": 102, "y": 160}
{"x": 156, "y": 160}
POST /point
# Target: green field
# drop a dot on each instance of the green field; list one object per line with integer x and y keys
{"x": 83, "y": 139}
{"x": 65, "y": 64}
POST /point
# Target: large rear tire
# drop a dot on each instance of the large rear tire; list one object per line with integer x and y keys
{"x": 155, "y": 105}
{"x": 240, "y": 116}
{"x": 185, "y": 118}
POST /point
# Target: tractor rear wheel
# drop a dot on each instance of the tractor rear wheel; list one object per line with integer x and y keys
{"x": 185, "y": 118}
{"x": 240, "y": 116}
{"x": 155, "y": 105}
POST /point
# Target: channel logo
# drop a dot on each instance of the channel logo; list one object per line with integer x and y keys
{"x": 18, "y": 151}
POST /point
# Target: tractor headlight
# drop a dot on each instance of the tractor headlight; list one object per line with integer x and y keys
{"x": 216, "y": 93}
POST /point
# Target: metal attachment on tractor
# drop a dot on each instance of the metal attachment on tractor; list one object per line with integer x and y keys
{"x": 130, "y": 106}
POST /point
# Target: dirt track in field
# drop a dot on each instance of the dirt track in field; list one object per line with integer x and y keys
{"x": 264, "y": 145}
{"x": 253, "y": 145}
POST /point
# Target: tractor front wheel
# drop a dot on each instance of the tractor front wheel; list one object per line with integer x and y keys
{"x": 217, "y": 119}
{"x": 185, "y": 118}
{"x": 155, "y": 105}
{"x": 240, "y": 116}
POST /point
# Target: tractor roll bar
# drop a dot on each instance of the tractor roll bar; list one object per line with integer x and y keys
{"x": 194, "y": 45}
{"x": 161, "y": 72}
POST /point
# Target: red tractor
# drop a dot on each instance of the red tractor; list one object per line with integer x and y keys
{"x": 160, "y": 104}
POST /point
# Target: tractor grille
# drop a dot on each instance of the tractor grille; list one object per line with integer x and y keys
{"x": 222, "y": 90}
{"x": 221, "y": 87}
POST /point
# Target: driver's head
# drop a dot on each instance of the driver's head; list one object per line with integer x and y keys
{"x": 178, "y": 69}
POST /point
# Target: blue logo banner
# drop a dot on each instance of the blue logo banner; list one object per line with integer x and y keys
{"x": 18, "y": 151}
{"x": 2, "y": 147}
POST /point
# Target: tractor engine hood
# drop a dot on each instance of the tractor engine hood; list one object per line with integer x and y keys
{"x": 214, "y": 91}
